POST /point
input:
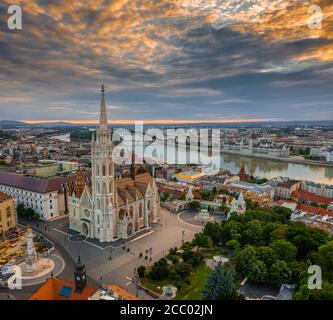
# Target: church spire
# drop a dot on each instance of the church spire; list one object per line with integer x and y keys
{"x": 103, "y": 121}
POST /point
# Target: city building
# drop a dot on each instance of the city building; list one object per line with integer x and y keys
{"x": 7, "y": 213}
{"x": 329, "y": 156}
{"x": 322, "y": 190}
{"x": 47, "y": 196}
{"x": 271, "y": 149}
{"x": 189, "y": 176}
{"x": 286, "y": 188}
{"x": 113, "y": 208}
{"x": 260, "y": 189}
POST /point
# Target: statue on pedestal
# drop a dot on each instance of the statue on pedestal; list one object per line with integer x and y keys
{"x": 31, "y": 262}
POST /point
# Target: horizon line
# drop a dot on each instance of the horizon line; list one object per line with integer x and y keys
{"x": 157, "y": 121}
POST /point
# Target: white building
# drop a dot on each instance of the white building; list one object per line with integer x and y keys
{"x": 329, "y": 156}
{"x": 47, "y": 196}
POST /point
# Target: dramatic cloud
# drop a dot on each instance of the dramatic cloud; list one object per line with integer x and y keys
{"x": 171, "y": 59}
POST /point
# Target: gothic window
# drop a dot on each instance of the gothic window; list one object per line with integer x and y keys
{"x": 110, "y": 187}
{"x": 98, "y": 219}
{"x": 110, "y": 169}
{"x": 97, "y": 170}
{"x": 104, "y": 171}
{"x": 140, "y": 210}
{"x": 98, "y": 204}
{"x": 148, "y": 205}
{"x": 131, "y": 212}
{"x": 98, "y": 188}
{"x": 104, "y": 188}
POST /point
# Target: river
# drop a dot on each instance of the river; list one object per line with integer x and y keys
{"x": 260, "y": 168}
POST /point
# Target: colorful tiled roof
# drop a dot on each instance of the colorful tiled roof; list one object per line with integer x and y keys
{"x": 302, "y": 195}
{"x": 315, "y": 210}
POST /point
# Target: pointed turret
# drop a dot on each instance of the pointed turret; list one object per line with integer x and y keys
{"x": 241, "y": 198}
{"x": 103, "y": 120}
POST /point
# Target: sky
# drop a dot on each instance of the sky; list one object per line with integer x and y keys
{"x": 175, "y": 60}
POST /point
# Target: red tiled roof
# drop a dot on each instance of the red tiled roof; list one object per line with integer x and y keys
{"x": 231, "y": 188}
{"x": 51, "y": 289}
{"x": 302, "y": 195}
{"x": 315, "y": 210}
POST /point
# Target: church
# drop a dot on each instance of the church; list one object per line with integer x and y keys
{"x": 111, "y": 208}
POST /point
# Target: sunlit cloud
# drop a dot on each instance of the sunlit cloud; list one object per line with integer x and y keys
{"x": 172, "y": 58}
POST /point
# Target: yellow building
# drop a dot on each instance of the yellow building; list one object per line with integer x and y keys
{"x": 188, "y": 177}
{"x": 7, "y": 212}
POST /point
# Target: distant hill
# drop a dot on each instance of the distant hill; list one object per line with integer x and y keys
{"x": 55, "y": 124}
{"x": 7, "y": 124}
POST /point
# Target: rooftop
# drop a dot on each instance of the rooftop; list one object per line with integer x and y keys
{"x": 4, "y": 197}
{"x": 34, "y": 183}
{"x": 57, "y": 289}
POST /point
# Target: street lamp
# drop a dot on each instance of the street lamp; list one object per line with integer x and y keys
{"x": 150, "y": 253}
{"x": 137, "y": 280}
{"x": 183, "y": 236}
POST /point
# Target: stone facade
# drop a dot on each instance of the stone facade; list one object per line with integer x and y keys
{"x": 112, "y": 208}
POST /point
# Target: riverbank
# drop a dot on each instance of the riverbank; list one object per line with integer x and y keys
{"x": 286, "y": 159}
{"x": 262, "y": 156}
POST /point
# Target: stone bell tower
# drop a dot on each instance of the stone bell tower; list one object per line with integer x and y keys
{"x": 103, "y": 178}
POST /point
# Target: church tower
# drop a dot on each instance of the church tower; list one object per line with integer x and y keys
{"x": 102, "y": 178}
{"x": 80, "y": 276}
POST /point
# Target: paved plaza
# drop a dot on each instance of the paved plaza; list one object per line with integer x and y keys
{"x": 115, "y": 262}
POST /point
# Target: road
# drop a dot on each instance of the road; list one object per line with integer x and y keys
{"x": 119, "y": 270}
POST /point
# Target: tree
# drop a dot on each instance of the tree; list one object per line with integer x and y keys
{"x": 202, "y": 241}
{"x": 279, "y": 233}
{"x": 220, "y": 285}
{"x": 183, "y": 269}
{"x": 233, "y": 244}
{"x": 253, "y": 233}
{"x": 307, "y": 240}
{"x": 213, "y": 230}
{"x": 231, "y": 230}
{"x": 20, "y": 209}
{"x": 279, "y": 273}
{"x": 141, "y": 271}
{"x": 194, "y": 258}
{"x": 325, "y": 258}
{"x": 284, "y": 250}
{"x": 284, "y": 213}
{"x": 194, "y": 205}
{"x": 304, "y": 293}
{"x": 244, "y": 258}
{"x": 266, "y": 255}
{"x": 159, "y": 270}
{"x": 257, "y": 271}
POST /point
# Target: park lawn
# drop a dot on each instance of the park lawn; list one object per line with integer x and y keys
{"x": 198, "y": 281}
{"x": 187, "y": 292}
